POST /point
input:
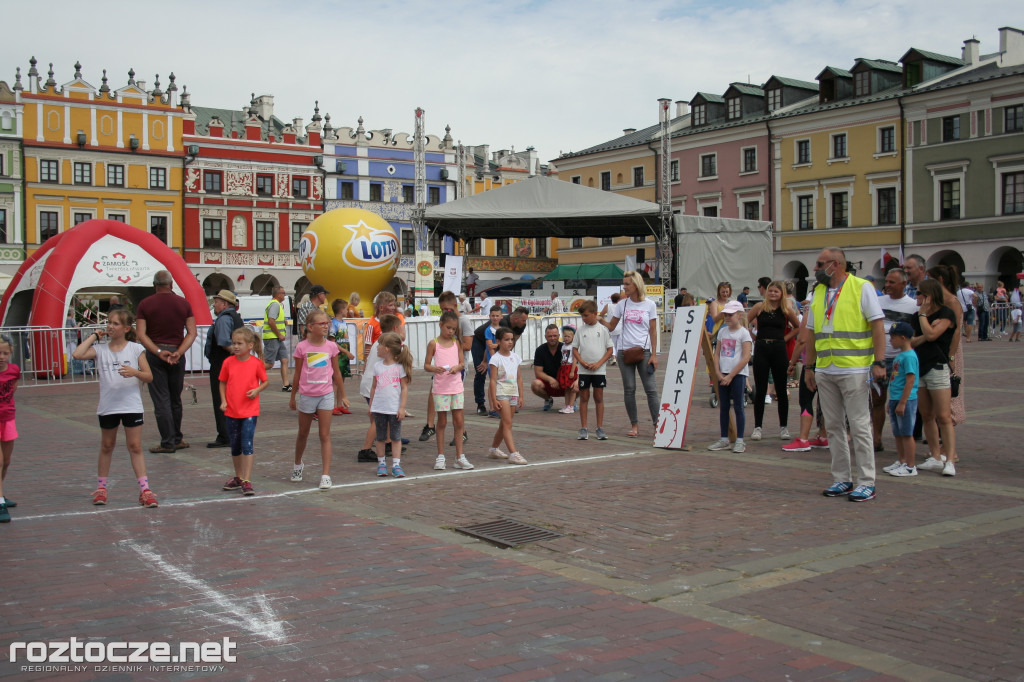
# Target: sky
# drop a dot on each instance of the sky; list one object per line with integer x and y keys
{"x": 558, "y": 76}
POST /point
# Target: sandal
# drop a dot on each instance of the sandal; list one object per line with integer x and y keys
{"x": 633, "y": 434}
{"x": 286, "y": 389}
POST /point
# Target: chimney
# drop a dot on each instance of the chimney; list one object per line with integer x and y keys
{"x": 970, "y": 51}
{"x": 1011, "y": 45}
{"x": 297, "y": 124}
{"x": 628, "y": 131}
{"x": 265, "y": 106}
{"x": 682, "y": 108}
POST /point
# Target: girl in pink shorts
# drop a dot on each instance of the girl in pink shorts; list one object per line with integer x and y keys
{"x": 9, "y": 376}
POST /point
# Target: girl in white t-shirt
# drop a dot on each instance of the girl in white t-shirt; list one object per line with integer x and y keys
{"x": 506, "y": 392}
{"x": 639, "y": 317}
{"x": 732, "y": 353}
{"x": 122, "y": 368}
{"x": 388, "y": 397}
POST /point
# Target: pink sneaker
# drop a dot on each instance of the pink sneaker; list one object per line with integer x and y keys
{"x": 819, "y": 442}
{"x": 797, "y": 445}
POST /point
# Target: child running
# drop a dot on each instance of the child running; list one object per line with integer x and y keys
{"x": 242, "y": 378}
{"x": 592, "y": 347}
{"x": 316, "y": 375}
{"x": 388, "y": 397}
{"x": 732, "y": 354}
{"x": 568, "y": 371}
{"x": 122, "y": 368}
{"x": 445, "y": 361}
{"x": 339, "y": 334}
{"x": 505, "y": 392}
{"x": 9, "y": 376}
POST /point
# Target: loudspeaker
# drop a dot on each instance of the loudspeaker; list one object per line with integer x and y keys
{"x": 640, "y": 255}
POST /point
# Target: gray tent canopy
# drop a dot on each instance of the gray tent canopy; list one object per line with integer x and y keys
{"x": 544, "y": 207}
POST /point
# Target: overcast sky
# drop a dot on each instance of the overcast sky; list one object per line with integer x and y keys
{"x": 556, "y": 75}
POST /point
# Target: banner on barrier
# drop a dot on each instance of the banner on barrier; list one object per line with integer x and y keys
{"x": 424, "y": 274}
{"x": 680, "y": 373}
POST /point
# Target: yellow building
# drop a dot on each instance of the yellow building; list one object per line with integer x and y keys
{"x": 101, "y": 153}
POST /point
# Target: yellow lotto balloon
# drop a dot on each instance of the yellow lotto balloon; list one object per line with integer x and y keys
{"x": 349, "y": 249}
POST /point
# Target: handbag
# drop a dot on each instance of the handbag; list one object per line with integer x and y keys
{"x": 954, "y": 383}
{"x": 634, "y": 355}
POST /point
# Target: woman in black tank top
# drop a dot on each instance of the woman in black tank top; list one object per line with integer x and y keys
{"x": 769, "y": 319}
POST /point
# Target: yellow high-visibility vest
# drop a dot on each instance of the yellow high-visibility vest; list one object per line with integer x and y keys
{"x": 850, "y": 343}
{"x": 268, "y": 333}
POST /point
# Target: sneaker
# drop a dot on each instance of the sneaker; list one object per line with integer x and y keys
{"x": 739, "y": 446}
{"x": 481, "y": 411}
{"x": 465, "y": 437}
{"x": 583, "y": 435}
{"x": 862, "y": 493}
{"x": 516, "y": 458}
{"x": 879, "y": 447}
{"x": 182, "y": 444}
{"x": 297, "y": 472}
{"x": 756, "y": 434}
{"x": 892, "y": 467}
{"x": 819, "y": 442}
{"x": 428, "y": 432}
{"x": 147, "y": 498}
{"x": 494, "y": 414}
{"x": 439, "y": 463}
{"x": 233, "y": 484}
{"x": 397, "y": 471}
{"x": 337, "y": 411}
{"x": 949, "y": 469}
{"x": 5, "y": 516}
{"x": 463, "y": 463}
{"x": 11, "y": 504}
{"x": 784, "y": 433}
{"x": 797, "y": 445}
{"x": 932, "y": 464}
{"x": 720, "y": 444}
{"x": 368, "y": 455}
{"x": 99, "y": 496}
{"x": 903, "y": 470}
{"x": 601, "y": 435}
{"x": 548, "y": 404}
{"x": 247, "y": 489}
{"x": 568, "y": 409}
{"x": 838, "y": 488}
{"x": 382, "y": 469}
{"x": 767, "y": 400}
{"x": 326, "y": 482}
{"x": 496, "y": 453}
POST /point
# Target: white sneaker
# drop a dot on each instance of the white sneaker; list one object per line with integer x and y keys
{"x": 949, "y": 469}
{"x": 516, "y": 458}
{"x": 439, "y": 463}
{"x": 297, "y": 472}
{"x": 325, "y": 483}
{"x": 767, "y": 400}
{"x": 739, "y": 446}
{"x": 932, "y": 464}
{"x": 463, "y": 463}
{"x": 568, "y": 409}
{"x": 903, "y": 470}
{"x": 895, "y": 465}
{"x": 720, "y": 444}
{"x": 496, "y": 453}
{"x": 784, "y": 433}
{"x": 756, "y": 434}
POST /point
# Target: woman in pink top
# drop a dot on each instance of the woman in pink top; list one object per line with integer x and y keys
{"x": 445, "y": 361}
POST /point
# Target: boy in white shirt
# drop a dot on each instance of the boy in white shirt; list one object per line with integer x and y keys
{"x": 592, "y": 348}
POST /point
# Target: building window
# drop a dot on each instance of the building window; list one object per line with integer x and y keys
{"x": 887, "y": 206}
{"x": 3, "y": 225}
{"x": 639, "y": 239}
{"x": 751, "y": 210}
{"x": 48, "y": 171}
{"x": 577, "y": 242}
{"x": 750, "y": 160}
{"x": 700, "y": 115}
{"x": 265, "y": 235}
{"x": 82, "y": 217}
{"x": 348, "y": 190}
{"x": 950, "y": 128}
{"x": 408, "y": 242}
{"x": 376, "y": 191}
{"x": 158, "y": 227}
{"x": 950, "y": 200}
{"x": 473, "y": 247}
{"x": 805, "y": 212}
{"x": 408, "y": 194}
{"x": 1013, "y": 119}
{"x": 115, "y": 175}
{"x": 212, "y": 181}
{"x": 265, "y": 185}
{"x": 774, "y": 99}
{"x": 47, "y": 225}
{"x": 501, "y": 246}
{"x": 886, "y": 140}
{"x": 638, "y": 176}
{"x": 119, "y": 217}
{"x": 710, "y": 211}
{"x": 606, "y": 180}
{"x": 1013, "y": 193}
{"x": 912, "y": 73}
{"x": 606, "y": 241}
{"x": 735, "y": 108}
{"x": 212, "y": 234}
{"x": 839, "y": 146}
{"x": 297, "y": 230}
{"x": 708, "y": 165}
{"x": 862, "y": 83}
{"x": 434, "y": 242}
{"x": 542, "y": 248}
{"x": 433, "y": 195}
{"x": 158, "y": 178}
{"x": 576, "y": 179}
{"x": 673, "y": 171}
{"x": 840, "y": 209}
{"x": 803, "y": 151}
{"x": 300, "y": 188}
{"x": 83, "y": 173}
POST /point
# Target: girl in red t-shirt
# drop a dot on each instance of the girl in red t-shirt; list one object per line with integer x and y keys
{"x": 242, "y": 378}
{"x": 9, "y": 375}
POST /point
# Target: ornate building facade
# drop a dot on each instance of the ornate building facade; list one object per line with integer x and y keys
{"x": 12, "y": 249}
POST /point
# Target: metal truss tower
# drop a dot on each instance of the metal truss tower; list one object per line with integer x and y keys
{"x": 665, "y": 194}
{"x": 419, "y": 158}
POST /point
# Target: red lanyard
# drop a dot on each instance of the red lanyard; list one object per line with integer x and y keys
{"x": 832, "y": 305}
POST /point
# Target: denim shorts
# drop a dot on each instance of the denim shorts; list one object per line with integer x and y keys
{"x": 903, "y": 426}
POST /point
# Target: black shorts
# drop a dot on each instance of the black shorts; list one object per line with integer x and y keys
{"x": 588, "y": 381}
{"x": 112, "y": 421}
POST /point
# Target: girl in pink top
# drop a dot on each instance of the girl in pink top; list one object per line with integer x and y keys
{"x": 445, "y": 361}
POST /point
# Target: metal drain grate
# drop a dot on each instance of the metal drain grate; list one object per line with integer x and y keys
{"x": 509, "y": 533}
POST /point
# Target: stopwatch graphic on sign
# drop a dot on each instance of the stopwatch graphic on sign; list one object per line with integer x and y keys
{"x": 669, "y": 419}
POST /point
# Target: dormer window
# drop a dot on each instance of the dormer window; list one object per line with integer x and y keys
{"x": 774, "y": 99}
{"x": 912, "y": 74}
{"x": 700, "y": 115}
{"x": 862, "y": 83}
{"x": 735, "y": 108}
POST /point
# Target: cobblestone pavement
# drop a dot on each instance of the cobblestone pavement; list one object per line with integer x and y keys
{"x": 671, "y": 564}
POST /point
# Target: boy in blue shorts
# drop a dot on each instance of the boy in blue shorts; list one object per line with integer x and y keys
{"x": 592, "y": 348}
{"x": 903, "y": 399}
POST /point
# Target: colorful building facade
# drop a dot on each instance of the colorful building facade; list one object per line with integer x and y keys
{"x": 12, "y": 248}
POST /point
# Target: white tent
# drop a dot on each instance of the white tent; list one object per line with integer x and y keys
{"x": 713, "y": 250}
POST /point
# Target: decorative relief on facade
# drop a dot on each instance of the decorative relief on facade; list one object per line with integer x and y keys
{"x": 511, "y": 264}
{"x": 213, "y": 213}
{"x": 391, "y": 212}
{"x": 238, "y": 230}
{"x": 192, "y": 180}
{"x": 524, "y": 247}
{"x": 393, "y": 190}
{"x": 282, "y": 186}
{"x": 250, "y": 259}
{"x": 12, "y": 255}
{"x": 318, "y": 187}
{"x": 263, "y": 215}
{"x": 302, "y": 217}
{"x": 239, "y": 183}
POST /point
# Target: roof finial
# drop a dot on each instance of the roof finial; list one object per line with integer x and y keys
{"x": 50, "y": 83}
{"x": 172, "y": 87}
{"x": 360, "y": 130}
{"x": 328, "y": 129}
{"x": 17, "y": 79}
{"x": 131, "y": 76}
{"x": 78, "y": 69}
{"x": 104, "y": 87}
{"x": 32, "y": 67}
{"x": 316, "y": 111}
{"x": 157, "y": 92}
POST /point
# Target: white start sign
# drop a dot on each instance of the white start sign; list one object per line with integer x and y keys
{"x": 680, "y": 372}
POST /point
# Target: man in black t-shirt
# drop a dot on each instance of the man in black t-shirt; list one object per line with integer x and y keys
{"x": 546, "y": 361}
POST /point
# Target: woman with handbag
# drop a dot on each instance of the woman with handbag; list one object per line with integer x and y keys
{"x": 937, "y": 325}
{"x": 638, "y": 346}
{"x": 948, "y": 276}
